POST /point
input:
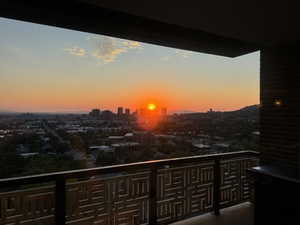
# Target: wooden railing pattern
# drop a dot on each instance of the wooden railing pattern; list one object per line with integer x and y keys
{"x": 152, "y": 192}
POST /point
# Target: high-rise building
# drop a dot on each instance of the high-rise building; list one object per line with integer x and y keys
{"x": 142, "y": 112}
{"x": 135, "y": 113}
{"x": 127, "y": 112}
{"x": 95, "y": 113}
{"x": 107, "y": 115}
{"x": 164, "y": 111}
{"x": 120, "y": 111}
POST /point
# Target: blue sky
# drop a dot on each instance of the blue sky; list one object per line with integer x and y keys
{"x": 44, "y": 68}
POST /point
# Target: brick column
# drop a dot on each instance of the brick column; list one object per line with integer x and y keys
{"x": 280, "y": 106}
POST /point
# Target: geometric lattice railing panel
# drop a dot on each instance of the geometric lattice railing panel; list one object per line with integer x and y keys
{"x": 178, "y": 188}
{"x": 235, "y": 185}
{"x": 27, "y": 207}
{"x": 184, "y": 191}
{"x": 118, "y": 200}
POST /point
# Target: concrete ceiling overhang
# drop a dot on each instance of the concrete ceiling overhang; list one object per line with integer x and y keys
{"x": 229, "y": 28}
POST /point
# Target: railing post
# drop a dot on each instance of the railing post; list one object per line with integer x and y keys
{"x": 152, "y": 196}
{"x": 60, "y": 201}
{"x": 217, "y": 181}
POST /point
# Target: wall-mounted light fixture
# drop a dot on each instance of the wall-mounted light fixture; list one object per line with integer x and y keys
{"x": 277, "y": 102}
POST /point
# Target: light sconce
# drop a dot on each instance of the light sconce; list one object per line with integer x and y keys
{"x": 277, "y": 102}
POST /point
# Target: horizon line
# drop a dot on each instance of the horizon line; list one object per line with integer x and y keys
{"x": 86, "y": 112}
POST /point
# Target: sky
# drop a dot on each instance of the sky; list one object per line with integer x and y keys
{"x": 49, "y": 69}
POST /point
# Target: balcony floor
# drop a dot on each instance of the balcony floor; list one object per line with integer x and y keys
{"x": 241, "y": 214}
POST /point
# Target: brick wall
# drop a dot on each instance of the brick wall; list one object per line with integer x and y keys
{"x": 280, "y": 106}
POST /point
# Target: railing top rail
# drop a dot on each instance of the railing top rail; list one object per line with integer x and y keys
{"x": 48, "y": 177}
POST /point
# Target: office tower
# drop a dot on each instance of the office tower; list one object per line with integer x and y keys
{"x": 142, "y": 112}
{"x": 164, "y": 111}
{"x": 95, "y": 113}
{"x": 120, "y": 111}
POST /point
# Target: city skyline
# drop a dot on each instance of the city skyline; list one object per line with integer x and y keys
{"x": 48, "y": 69}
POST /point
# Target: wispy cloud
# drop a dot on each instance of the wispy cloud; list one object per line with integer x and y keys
{"x": 177, "y": 54}
{"x": 76, "y": 51}
{"x": 107, "y": 49}
{"x": 132, "y": 44}
{"x": 183, "y": 53}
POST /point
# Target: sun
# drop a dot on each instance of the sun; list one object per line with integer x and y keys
{"x": 151, "y": 106}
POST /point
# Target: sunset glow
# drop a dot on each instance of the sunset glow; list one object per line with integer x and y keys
{"x": 77, "y": 71}
{"x": 151, "y": 106}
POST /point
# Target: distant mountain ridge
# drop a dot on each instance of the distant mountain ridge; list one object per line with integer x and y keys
{"x": 250, "y": 108}
{"x": 250, "y": 112}
{"x": 246, "y": 113}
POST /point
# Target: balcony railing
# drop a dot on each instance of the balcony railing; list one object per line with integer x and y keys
{"x": 152, "y": 192}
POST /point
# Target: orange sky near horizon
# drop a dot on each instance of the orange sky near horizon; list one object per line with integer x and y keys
{"x": 51, "y": 101}
{"x": 76, "y": 71}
